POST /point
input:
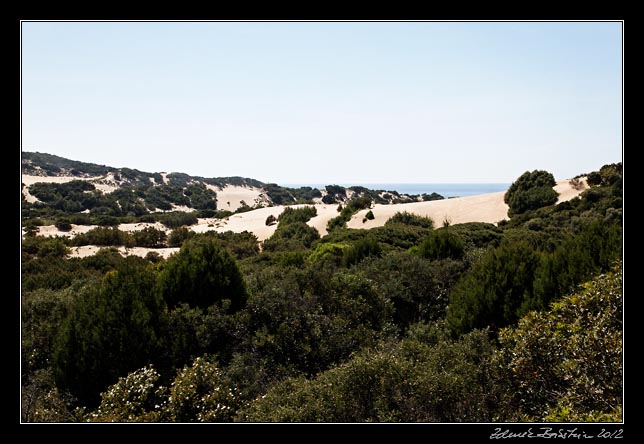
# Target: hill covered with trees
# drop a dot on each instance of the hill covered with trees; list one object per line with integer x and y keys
{"x": 411, "y": 321}
{"x": 68, "y": 191}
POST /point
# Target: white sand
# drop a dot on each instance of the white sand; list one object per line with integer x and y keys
{"x": 253, "y": 221}
{"x": 105, "y": 184}
{"x": 482, "y": 208}
{"x": 488, "y": 208}
{"x": 325, "y": 213}
{"x": 89, "y": 250}
{"x": 567, "y": 192}
{"x": 230, "y": 197}
{"x": 52, "y": 231}
{"x": 141, "y": 226}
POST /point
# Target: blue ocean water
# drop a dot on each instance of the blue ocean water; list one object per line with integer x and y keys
{"x": 444, "y": 189}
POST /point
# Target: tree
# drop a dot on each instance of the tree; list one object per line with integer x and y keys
{"x": 201, "y": 274}
{"x": 110, "y": 331}
{"x": 494, "y": 291}
{"x": 532, "y": 190}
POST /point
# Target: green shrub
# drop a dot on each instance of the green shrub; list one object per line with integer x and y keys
{"x": 112, "y": 330}
{"x": 271, "y": 220}
{"x": 361, "y": 249}
{"x": 566, "y": 364}
{"x": 179, "y": 235}
{"x": 442, "y": 244}
{"x": 63, "y": 225}
{"x": 410, "y": 219}
{"x": 532, "y": 190}
{"x": 202, "y": 274}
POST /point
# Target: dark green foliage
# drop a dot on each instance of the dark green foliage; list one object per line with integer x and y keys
{"x": 187, "y": 333}
{"x": 432, "y": 196}
{"x": 56, "y": 163}
{"x": 578, "y": 258}
{"x": 279, "y": 195}
{"x": 296, "y": 235}
{"x": 179, "y": 235}
{"x": 290, "y": 215}
{"x": 336, "y": 191}
{"x": 112, "y": 330}
{"x": 532, "y": 190}
{"x": 104, "y": 236}
{"x": 328, "y": 199}
{"x": 477, "y": 234}
{"x": 307, "y": 318}
{"x": 284, "y": 195}
{"x": 149, "y": 237}
{"x": 293, "y": 233}
{"x": 45, "y": 246}
{"x": 363, "y": 248}
{"x": 410, "y": 219}
{"x": 369, "y": 215}
{"x": 178, "y": 219}
{"x": 418, "y": 289}
{"x": 271, "y": 220}
{"x": 442, "y": 244}
{"x": 516, "y": 277}
{"x": 43, "y": 311}
{"x": 202, "y": 274}
{"x": 241, "y": 245}
{"x": 349, "y": 210}
{"x": 349, "y": 327}
{"x": 566, "y": 364}
{"x": 495, "y": 289}
{"x": 63, "y": 224}
{"x": 594, "y": 178}
{"x": 409, "y": 381}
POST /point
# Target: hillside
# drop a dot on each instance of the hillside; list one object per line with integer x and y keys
{"x": 67, "y": 198}
{"x": 54, "y": 181}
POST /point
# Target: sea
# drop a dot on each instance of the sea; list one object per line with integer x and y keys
{"x": 447, "y": 190}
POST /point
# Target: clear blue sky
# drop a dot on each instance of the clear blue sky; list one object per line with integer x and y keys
{"x": 327, "y": 102}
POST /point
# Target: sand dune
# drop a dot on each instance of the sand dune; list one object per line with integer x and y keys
{"x": 231, "y": 197}
{"x": 488, "y": 208}
{"x": 482, "y": 208}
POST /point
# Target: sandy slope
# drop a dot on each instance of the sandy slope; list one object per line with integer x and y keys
{"x": 89, "y": 250}
{"x": 482, "y": 208}
{"x": 230, "y": 197}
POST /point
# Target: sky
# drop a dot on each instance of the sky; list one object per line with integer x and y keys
{"x": 327, "y": 102}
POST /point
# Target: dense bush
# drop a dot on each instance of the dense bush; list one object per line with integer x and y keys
{"x": 450, "y": 381}
{"x": 178, "y": 219}
{"x": 179, "y": 235}
{"x": 566, "y": 364}
{"x": 202, "y": 274}
{"x": 532, "y": 190}
{"x": 149, "y": 237}
{"x": 303, "y": 214}
{"x": 363, "y": 248}
{"x": 111, "y": 331}
{"x": 104, "y": 236}
{"x": 442, "y": 244}
{"x": 410, "y": 219}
